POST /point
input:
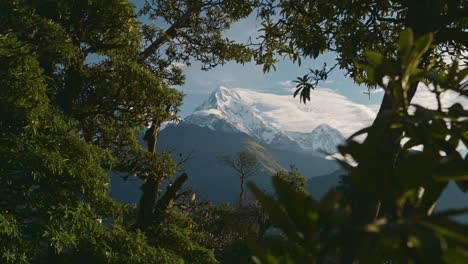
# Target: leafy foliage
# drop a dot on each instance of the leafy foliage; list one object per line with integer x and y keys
{"x": 388, "y": 214}
{"x": 228, "y": 229}
{"x": 79, "y": 81}
{"x": 292, "y": 177}
{"x": 35, "y": 173}
{"x": 305, "y": 29}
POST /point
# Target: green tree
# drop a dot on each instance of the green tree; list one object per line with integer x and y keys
{"x": 54, "y": 187}
{"x": 306, "y": 29}
{"x": 293, "y": 178}
{"x": 405, "y": 228}
{"x": 80, "y": 80}
{"x": 228, "y": 230}
{"x": 246, "y": 165}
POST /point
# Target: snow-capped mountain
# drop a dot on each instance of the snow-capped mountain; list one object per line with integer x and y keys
{"x": 282, "y": 121}
{"x": 323, "y": 138}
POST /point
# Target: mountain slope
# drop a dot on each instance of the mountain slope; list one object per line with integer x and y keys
{"x": 217, "y": 182}
{"x": 277, "y": 129}
{"x": 321, "y": 185}
{"x": 213, "y": 180}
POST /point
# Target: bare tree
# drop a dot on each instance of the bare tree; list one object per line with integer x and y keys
{"x": 246, "y": 165}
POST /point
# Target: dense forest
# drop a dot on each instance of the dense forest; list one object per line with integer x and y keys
{"x": 86, "y": 85}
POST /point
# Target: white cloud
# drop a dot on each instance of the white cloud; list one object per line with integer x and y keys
{"x": 288, "y": 114}
{"x": 286, "y": 84}
{"x": 426, "y": 98}
{"x": 374, "y": 107}
{"x": 374, "y": 91}
{"x": 179, "y": 64}
{"x": 378, "y": 90}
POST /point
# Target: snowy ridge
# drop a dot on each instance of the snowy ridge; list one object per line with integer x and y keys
{"x": 285, "y": 123}
{"x": 281, "y": 120}
{"x": 322, "y": 139}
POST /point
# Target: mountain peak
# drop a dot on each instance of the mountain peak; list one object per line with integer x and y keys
{"x": 325, "y": 138}
{"x": 219, "y": 97}
{"x": 324, "y": 128}
{"x": 281, "y": 120}
{"x": 220, "y": 92}
{"x": 221, "y": 89}
{"x": 224, "y": 94}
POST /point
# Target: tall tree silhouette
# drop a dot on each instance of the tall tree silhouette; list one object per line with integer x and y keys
{"x": 246, "y": 165}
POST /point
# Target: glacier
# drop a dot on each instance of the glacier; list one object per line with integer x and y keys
{"x": 282, "y": 121}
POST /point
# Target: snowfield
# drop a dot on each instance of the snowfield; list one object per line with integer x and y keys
{"x": 285, "y": 122}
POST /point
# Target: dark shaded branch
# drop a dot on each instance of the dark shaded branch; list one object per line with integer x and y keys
{"x": 170, "y": 195}
{"x": 170, "y": 33}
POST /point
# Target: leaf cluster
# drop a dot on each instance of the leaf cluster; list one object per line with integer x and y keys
{"x": 386, "y": 211}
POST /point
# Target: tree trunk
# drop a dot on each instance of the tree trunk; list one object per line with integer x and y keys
{"x": 383, "y": 142}
{"x": 242, "y": 192}
{"x": 149, "y": 210}
{"x": 151, "y": 137}
{"x": 151, "y": 186}
{"x": 147, "y": 202}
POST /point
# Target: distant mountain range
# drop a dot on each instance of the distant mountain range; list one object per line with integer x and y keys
{"x": 278, "y": 129}
{"x": 281, "y": 121}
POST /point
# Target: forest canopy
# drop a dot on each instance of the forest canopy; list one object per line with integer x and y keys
{"x": 86, "y": 85}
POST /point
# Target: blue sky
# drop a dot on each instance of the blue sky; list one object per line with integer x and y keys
{"x": 199, "y": 84}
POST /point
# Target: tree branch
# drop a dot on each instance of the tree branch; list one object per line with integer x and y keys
{"x": 170, "y": 195}
{"x": 170, "y": 33}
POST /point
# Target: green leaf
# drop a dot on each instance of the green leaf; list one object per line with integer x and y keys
{"x": 448, "y": 228}
{"x": 297, "y": 91}
{"x": 277, "y": 214}
{"x": 405, "y": 42}
{"x": 451, "y": 169}
{"x": 297, "y": 203}
{"x": 455, "y": 255}
{"x": 374, "y": 58}
{"x": 423, "y": 43}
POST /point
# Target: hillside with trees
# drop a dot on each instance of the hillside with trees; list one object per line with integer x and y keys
{"x": 86, "y": 86}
